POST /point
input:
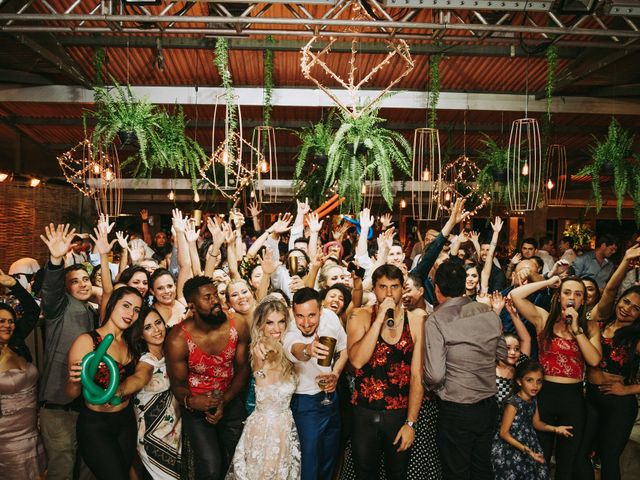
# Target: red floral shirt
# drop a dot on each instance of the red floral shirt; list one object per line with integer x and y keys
{"x": 383, "y": 382}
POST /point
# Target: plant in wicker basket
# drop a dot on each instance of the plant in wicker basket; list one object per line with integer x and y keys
{"x": 311, "y": 162}
{"x": 363, "y": 150}
{"x": 611, "y": 157}
{"x": 171, "y": 149}
{"x": 133, "y": 119}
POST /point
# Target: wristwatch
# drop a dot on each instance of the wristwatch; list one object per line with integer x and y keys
{"x": 304, "y": 352}
{"x": 580, "y": 331}
{"x": 410, "y": 424}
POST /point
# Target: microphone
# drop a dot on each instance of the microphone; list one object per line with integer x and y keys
{"x": 390, "y": 318}
{"x": 570, "y": 303}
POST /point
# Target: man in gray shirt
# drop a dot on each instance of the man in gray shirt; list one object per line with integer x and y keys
{"x": 67, "y": 313}
{"x": 463, "y": 340}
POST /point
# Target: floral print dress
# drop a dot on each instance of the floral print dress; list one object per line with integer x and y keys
{"x": 510, "y": 463}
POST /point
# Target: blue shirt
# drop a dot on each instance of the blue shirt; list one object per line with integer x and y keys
{"x": 587, "y": 265}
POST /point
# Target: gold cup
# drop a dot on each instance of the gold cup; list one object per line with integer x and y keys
{"x": 293, "y": 265}
{"x": 331, "y": 343}
{"x": 197, "y": 217}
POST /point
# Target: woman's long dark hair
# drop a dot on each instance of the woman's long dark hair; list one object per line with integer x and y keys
{"x": 556, "y": 311}
{"x": 629, "y": 336}
{"x": 137, "y": 329}
{"x": 128, "y": 273}
{"x": 127, "y": 335}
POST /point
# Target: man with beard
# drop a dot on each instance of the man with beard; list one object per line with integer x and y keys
{"x": 207, "y": 363}
{"x": 315, "y": 410}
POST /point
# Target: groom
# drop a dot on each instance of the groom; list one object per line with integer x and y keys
{"x": 318, "y": 424}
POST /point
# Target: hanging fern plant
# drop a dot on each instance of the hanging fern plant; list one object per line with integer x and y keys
{"x": 493, "y": 172}
{"x": 311, "y": 162}
{"x": 434, "y": 88}
{"x": 552, "y": 63}
{"x": 221, "y": 61}
{"x": 612, "y": 157}
{"x": 268, "y": 82}
{"x": 364, "y": 150}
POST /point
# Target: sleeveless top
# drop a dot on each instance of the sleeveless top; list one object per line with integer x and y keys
{"x": 561, "y": 357}
{"x": 383, "y": 382}
{"x": 616, "y": 359}
{"x": 102, "y": 376}
{"x": 209, "y": 372}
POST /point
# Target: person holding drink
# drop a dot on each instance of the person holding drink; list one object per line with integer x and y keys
{"x": 385, "y": 344}
{"x": 207, "y": 362}
{"x": 308, "y": 344}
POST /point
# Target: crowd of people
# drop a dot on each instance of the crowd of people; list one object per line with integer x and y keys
{"x": 309, "y": 349}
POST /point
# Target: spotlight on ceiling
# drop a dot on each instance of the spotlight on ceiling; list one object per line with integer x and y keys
{"x": 577, "y": 6}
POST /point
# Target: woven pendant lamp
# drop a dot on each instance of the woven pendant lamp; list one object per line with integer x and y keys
{"x": 556, "y": 178}
{"x": 524, "y": 165}
{"x": 266, "y": 183}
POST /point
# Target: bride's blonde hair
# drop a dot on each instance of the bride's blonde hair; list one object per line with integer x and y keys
{"x": 266, "y": 307}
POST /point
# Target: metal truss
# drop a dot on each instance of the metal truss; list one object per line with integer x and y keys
{"x": 250, "y": 18}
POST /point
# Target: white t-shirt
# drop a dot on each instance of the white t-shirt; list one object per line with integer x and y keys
{"x": 329, "y": 326}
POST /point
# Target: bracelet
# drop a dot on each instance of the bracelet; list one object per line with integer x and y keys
{"x": 304, "y": 352}
{"x": 185, "y": 401}
{"x": 145, "y": 221}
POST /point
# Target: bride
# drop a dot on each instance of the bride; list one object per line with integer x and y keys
{"x": 269, "y": 448}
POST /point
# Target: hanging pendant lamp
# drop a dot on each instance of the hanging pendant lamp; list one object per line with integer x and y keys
{"x": 524, "y": 165}
{"x": 426, "y": 174}
{"x": 556, "y": 178}
{"x": 265, "y": 164}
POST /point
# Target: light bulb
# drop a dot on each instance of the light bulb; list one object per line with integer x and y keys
{"x": 550, "y": 184}
{"x": 252, "y": 194}
{"x": 172, "y": 195}
{"x": 34, "y": 182}
{"x": 447, "y": 197}
{"x": 364, "y": 189}
{"x": 96, "y": 169}
{"x": 525, "y": 169}
{"x": 108, "y": 175}
{"x": 3, "y": 176}
{"x": 426, "y": 175}
{"x": 196, "y": 197}
{"x": 225, "y": 157}
{"x": 403, "y": 203}
{"x": 264, "y": 166}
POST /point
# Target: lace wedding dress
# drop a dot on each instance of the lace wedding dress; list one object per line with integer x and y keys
{"x": 268, "y": 448}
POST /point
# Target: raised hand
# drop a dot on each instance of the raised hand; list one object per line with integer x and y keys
{"x": 475, "y": 236}
{"x": 6, "y": 280}
{"x": 237, "y": 218}
{"x": 497, "y": 302}
{"x": 303, "y": 207}
{"x": 144, "y": 215}
{"x": 516, "y": 259}
{"x": 254, "y": 209}
{"x": 122, "y": 240}
{"x": 228, "y": 233}
{"x": 190, "y": 230}
{"x": 386, "y": 221}
{"x": 268, "y": 263}
{"x": 496, "y": 225}
{"x": 178, "y": 222}
{"x": 339, "y": 232}
{"x": 58, "y": 239}
{"x": 282, "y": 224}
{"x": 315, "y": 225}
{"x": 213, "y": 224}
{"x": 632, "y": 253}
{"x": 101, "y": 240}
{"x": 366, "y": 221}
{"x": 458, "y": 213}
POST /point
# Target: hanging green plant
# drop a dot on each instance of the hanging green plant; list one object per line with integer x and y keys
{"x": 434, "y": 88}
{"x": 363, "y": 150}
{"x": 493, "y": 175}
{"x": 311, "y": 161}
{"x": 611, "y": 157}
{"x": 552, "y": 63}
{"x": 268, "y": 82}
{"x": 134, "y": 120}
{"x": 634, "y": 190}
{"x": 98, "y": 65}
{"x": 171, "y": 149}
{"x": 221, "y": 61}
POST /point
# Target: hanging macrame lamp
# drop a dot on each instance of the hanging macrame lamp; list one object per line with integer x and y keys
{"x": 426, "y": 175}
{"x": 524, "y": 165}
{"x": 556, "y": 178}
{"x": 227, "y": 164}
{"x": 264, "y": 161}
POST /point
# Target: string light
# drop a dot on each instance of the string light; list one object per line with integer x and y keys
{"x": 96, "y": 169}
{"x": 403, "y": 203}
{"x": 34, "y": 182}
{"x": 264, "y": 167}
{"x": 3, "y": 176}
{"x": 172, "y": 195}
{"x": 525, "y": 169}
{"x": 550, "y": 184}
{"x": 108, "y": 175}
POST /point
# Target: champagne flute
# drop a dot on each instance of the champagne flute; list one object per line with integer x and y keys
{"x": 322, "y": 383}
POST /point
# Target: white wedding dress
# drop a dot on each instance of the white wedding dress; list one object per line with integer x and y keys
{"x": 269, "y": 448}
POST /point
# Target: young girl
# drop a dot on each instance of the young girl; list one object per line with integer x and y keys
{"x": 516, "y": 452}
{"x": 156, "y": 408}
{"x": 269, "y": 448}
